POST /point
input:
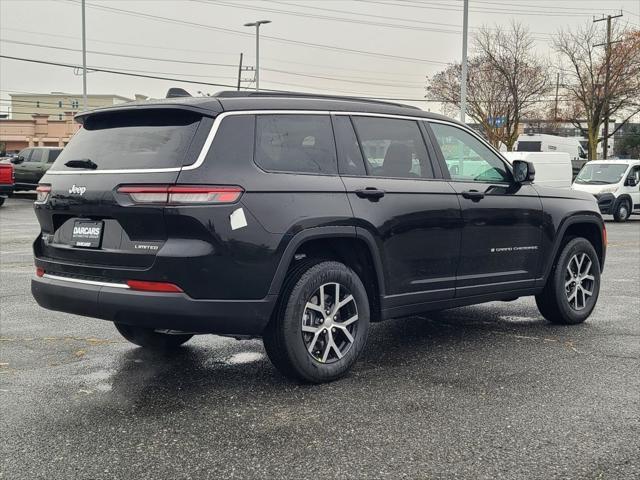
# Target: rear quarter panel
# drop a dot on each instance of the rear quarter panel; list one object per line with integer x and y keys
{"x": 276, "y": 207}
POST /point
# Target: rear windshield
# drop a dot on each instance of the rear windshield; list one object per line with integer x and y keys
{"x": 126, "y": 140}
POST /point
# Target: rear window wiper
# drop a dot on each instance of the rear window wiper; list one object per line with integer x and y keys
{"x": 82, "y": 163}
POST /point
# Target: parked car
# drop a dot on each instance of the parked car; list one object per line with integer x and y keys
{"x": 6, "y": 181}
{"x": 31, "y": 164}
{"x": 615, "y": 184}
{"x": 552, "y": 169}
{"x": 299, "y": 219}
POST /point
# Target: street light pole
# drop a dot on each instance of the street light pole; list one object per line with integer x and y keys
{"x": 463, "y": 80}
{"x": 84, "y": 61}
{"x": 257, "y": 25}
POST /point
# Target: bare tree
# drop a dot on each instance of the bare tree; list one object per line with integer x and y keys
{"x": 511, "y": 53}
{"x": 487, "y": 97}
{"x": 506, "y": 81}
{"x": 586, "y": 74}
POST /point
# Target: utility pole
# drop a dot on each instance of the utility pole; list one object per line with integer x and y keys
{"x": 84, "y": 60}
{"x": 239, "y": 72}
{"x": 257, "y": 25}
{"x": 555, "y": 108}
{"x": 607, "y": 44}
{"x": 463, "y": 80}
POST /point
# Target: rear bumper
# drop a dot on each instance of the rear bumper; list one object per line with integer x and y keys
{"x": 174, "y": 311}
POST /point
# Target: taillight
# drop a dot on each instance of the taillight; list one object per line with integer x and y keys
{"x": 180, "y": 195}
{"x": 144, "y": 286}
{"x": 39, "y": 271}
{"x": 42, "y": 193}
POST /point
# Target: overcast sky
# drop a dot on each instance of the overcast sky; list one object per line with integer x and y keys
{"x": 380, "y": 48}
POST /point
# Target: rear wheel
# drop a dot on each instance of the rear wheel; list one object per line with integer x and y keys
{"x": 572, "y": 288}
{"x": 321, "y": 324}
{"x": 2, "y": 199}
{"x": 149, "y": 338}
{"x": 622, "y": 211}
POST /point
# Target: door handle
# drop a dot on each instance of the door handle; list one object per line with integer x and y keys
{"x": 371, "y": 193}
{"x": 473, "y": 195}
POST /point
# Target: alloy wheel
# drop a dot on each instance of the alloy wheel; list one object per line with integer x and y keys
{"x": 329, "y": 323}
{"x": 579, "y": 280}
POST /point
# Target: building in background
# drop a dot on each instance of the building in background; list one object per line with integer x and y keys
{"x": 46, "y": 119}
{"x": 37, "y": 131}
{"x": 56, "y": 104}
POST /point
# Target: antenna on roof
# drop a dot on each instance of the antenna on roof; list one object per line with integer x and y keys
{"x": 177, "y": 92}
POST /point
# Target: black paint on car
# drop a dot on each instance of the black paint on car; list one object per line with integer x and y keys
{"x": 299, "y": 219}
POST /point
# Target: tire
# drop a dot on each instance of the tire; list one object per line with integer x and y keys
{"x": 2, "y": 199}
{"x": 557, "y": 302}
{"x": 622, "y": 211}
{"x": 148, "y": 338}
{"x": 321, "y": 350}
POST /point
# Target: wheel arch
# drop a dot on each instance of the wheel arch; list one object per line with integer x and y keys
{"x": 342, "y": 243}
{"x": 590, "y": 227}
{"x": 623, "y": 197}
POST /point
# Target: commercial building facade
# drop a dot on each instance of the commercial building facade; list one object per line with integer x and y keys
{"x": 56, "y": 104}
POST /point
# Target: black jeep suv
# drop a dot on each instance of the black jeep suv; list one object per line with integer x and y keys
{"x": 299, "y": 219}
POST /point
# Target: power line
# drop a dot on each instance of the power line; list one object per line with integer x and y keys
{"x": 115, "y": 72}
{"x": 177, "y": 80}
{"x": 326, "y": 17}
{"x": 285, "y": 72}
{"x": 272, "y": 59}
{"x": 123, "y": 55}
{"x": 453, "y": 8}
{"x": 266, "y": 37}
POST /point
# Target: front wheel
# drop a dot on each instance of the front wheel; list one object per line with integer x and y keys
{"x": 150, "y": 339}
{"x": 572, "y": 288}
{"x": 622, "y": 211}
{"x": 321, "y": 324}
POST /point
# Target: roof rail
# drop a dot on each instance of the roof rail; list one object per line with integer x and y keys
{"x": 245, "y": 94}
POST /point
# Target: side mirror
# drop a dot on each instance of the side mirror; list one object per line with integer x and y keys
{"x": 632, "y": 182}
{"x": 523, "y": 171}
{"x": 17, "y": 160}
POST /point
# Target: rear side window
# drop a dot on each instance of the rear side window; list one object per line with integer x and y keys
{"x": 140, "y": 139}
{"x": 295, "y": 143}
{"x": 393, "y": 148}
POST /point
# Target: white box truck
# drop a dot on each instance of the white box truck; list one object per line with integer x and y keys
{"x": 554, "y": 144}
{"x": 552, "y": 169}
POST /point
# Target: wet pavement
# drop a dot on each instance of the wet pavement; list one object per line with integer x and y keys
{"x": 490, "y": 391}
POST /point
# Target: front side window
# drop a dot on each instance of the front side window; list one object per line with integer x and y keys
{"x": 295, "y": 143}
{"x": 25, "y": 154}
{"x": 467, "y": 158}
{"x": 393, "y": 148}
{"x": 37, "y": 156}
{"x": 601, "y": 173}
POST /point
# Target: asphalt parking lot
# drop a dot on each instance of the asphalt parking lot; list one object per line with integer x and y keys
{"x": 489, "y": 391}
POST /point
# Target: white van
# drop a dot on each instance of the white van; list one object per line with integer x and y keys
{"x": 554, "y": 144}
{"x": 615, "y": 184}
{"x": 552, "y": 169}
